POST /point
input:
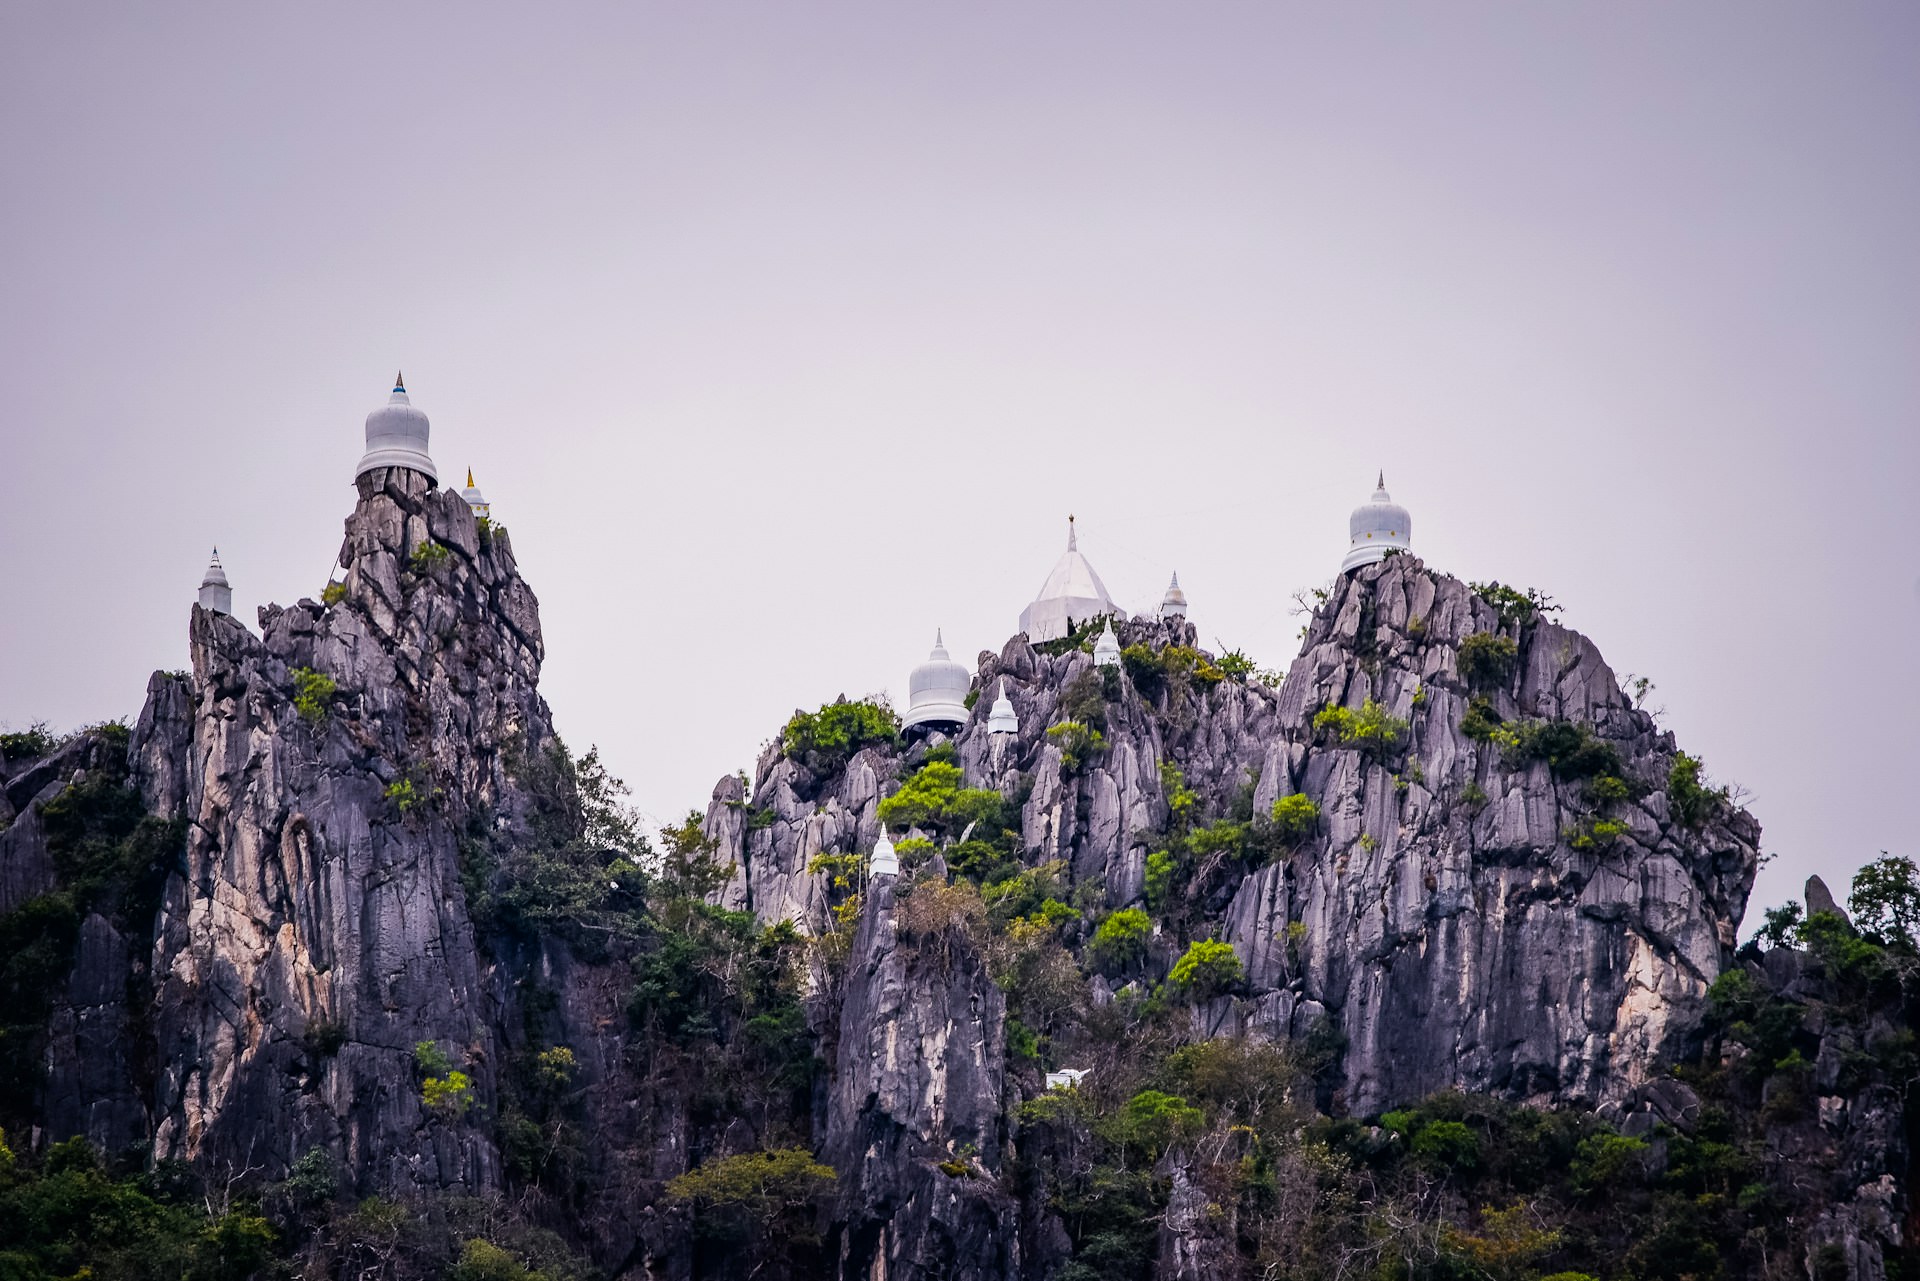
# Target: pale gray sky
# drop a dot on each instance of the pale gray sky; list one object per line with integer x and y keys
{"x": 780, "y": 335}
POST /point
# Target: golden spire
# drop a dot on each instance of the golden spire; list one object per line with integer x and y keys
{"x": 469, "y": 478}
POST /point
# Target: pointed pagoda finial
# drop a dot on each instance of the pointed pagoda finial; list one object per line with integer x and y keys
{"x": 1073, "y": 542}
{"x": 399, "y": 381}
{"x": 469, "y": 478}
{"x": 1381, "y": 483}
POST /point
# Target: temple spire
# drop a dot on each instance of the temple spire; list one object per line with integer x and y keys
{"x": 1073, "y": 543}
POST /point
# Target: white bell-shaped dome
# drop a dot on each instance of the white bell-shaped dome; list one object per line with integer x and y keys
{"x": 474, "y": 498}
{"x": 397, "y": 436}
{"x": 1106, "y": 650}
{"x": 1377, "y": 528}
{"x": 884, "y": 861}
{"x": 937, "y": 690}
{"x": 1002, "y": 720}
{"x": 1174, "y": 603}
{"x": 1073, "y": 593}
{"x": 216, "y": 593}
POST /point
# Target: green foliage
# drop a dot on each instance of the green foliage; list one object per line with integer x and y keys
{"x": 1886, "y": 901}
{"x": 1153, "y": 1119}
{"x": 1209, "y": 968}
{"x": 1182, "y": 801}
{"x": 1371, "y": 729}
{"x": 429, "y": 556}
{"x": 1162, "y": 867}
{"x": 1480, "y": 722}
{"x": 1486, "y": 660}
{"x": 401, "y": 793}
{"x": 1517, "y": 608}
{"x": 1296, "y": 817}
{"x": 1571, "y": 749}
{"x": 28, "y": 744}
{"x": 448, "y": 1096}
{"x": 766, "y": 1196}
{"x": 1078, "y": 744}
{"x": 1085, "y": 700}
{"x": 312, "y": 692}
{"x": 1236, "y": 666}
{"x": 332, "y": 594}
{"x": 1224, "y": 837}
{"x": 1121, "y": 941}
{"x": 934, "y": 799}
{"x": 1174, "y": 667}
{"x": 1594, "y": 834}
{"x": 1605, "y": 789}
{"x": 481, "y": 1260}
{"x": 1473, "y": 795}
{"x": 1606, "y": 1160}
{"x": 1690, "y": 800}
{"x": 825, "y": 740}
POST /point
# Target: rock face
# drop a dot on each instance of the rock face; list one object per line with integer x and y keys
{"x": 1464, "y": 916}
{"x": 327, "y": 771}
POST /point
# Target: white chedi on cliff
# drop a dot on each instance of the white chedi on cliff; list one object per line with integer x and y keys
{"x": 1002, "y": 719}
{"x": 1072, "y": 594}
{"x": 216, "y": 593}
{"x": 397, "y": 436}
{"x": 937, "y": 690}
{"x": 1174, "y": 603}
{"x": 1377, "y": 527}
{"x": 475, "y": 499}
{"x": 1106, "y": 650}
{"x": 884, "y": 862}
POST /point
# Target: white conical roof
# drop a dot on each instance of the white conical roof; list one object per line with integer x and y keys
{"x": 1073, "y": 593}
{"x": 1174, "y": 603}
{"x": 1376, "y": 528}
{"x": 1003, "y": 720}
{"x": 397, "y": 436}
{"x": 937, "y": 690}
{"x": 216, "y": 575}
{"x": 1106, "y": 650}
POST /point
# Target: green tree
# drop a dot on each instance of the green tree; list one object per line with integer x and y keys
{"x": 1121, "y": 940}
{"x": 1208, "y": 969}
{"x": 1886, "y": 900}
{"x": 763, "y": 1197}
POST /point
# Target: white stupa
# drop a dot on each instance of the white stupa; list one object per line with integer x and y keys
{"x": 1174, "y": 603}
{"x": 884, "y": 861}
{"x": 481, "y": 507}
{"x": 937, "y": 690}
{"x": 1002, "y": 719}
{"x": 1379, "y": 527}
{"x": 397, "y": 436}
{"x": 1073, "y": 593}
{"x": 1106, "y": 650}
{"x": 216, "y": 593}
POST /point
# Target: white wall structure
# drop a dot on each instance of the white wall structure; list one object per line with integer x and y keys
{"x": 1378, "y": 527}
{"x": 937, "y": 690}
{"x": 1073, "y": 593}
{"x": 397, "y": 436}
{"x": 216, "y": 593}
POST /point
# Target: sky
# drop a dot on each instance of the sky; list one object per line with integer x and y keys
{"x": 780, "y": 335}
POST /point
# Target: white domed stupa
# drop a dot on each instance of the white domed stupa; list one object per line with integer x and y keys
{"x": 937, "y": 690}
{"x": 1003, "y": 720}
{"x": 884, "y": 861}
{"x": 481, "y": 507}
{"x": 216, "y": 593}
{"x": 1073, "y": 593}
{"x": 1379, "y": 527}
{"x": 1106, "y": 650}
{"x": 1174, "y": 603}
{"x": 397, "y": 436}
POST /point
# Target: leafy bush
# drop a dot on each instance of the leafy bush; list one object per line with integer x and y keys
{"x": 1571, "y": 749}
{"x": 332, "y": 594}
{"x": 401, "y": 793}
{"x": 1480, "y": 722}
{"x": 1154, "y": 1119}
{"x": 1236, "y": 666}
{"x": 1078, "y": 744}
{"x": 1886, "y": 901}
{"x": 764, "y": 1198}
{"x": 1085, "y": 700}
{"x": 1371, "y": 729}
{"x": 1121, "y": 941}
{"x": 1595, "y": 834}
{"x": 429, "y": 556}
{"x": 27, "y": 744}
{"x": 934, "y": 799}
{"x": 1208, "y": 969}
{"x": 448, "y": 1096}
{"x": 1161, "y": 869}
{"x": 312, "y": 692}
{"x": 1295, "y": 817}
{"x": 825, "y": 740}
{"x": 1691, "y": 801}
{"x": 1517, "y": 608}
{"x": 1487, "y": 660}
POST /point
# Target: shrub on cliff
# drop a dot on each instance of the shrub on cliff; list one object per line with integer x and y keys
{"x": 1209, "y": 969}
{"x": 935, "y": 800}
{"x": 825, "y": 740}
{"x": 764, "y": 1197}
{"x": 1371, "y": 728}
{"x": 1121, "y": 941}
{"x": 1295, "y": 818}
{"x": 1486, "y": 660}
